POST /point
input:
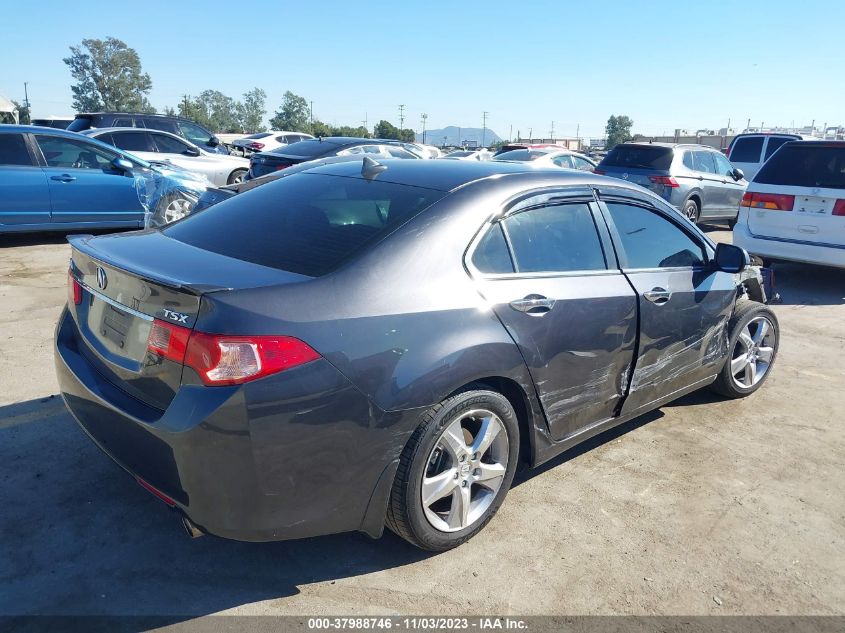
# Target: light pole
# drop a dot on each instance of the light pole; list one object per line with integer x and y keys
{"x": 402, "y": 116}
{"x": 484, "y": 128}
{"x": 423, "y": 116}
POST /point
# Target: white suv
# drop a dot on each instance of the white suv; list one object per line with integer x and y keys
{"x": 748, "y": 152}
{"x": 794, "y": 208}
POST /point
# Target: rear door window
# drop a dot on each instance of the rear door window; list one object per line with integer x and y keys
{"x": 122, "y": 123}
{"x": 806, "y": 164}
{"x": 491, "y": 256}
{"x": 13, "y": 151}
{"x": 747, "y": 149}
{"x": 132, "y": 141}
{"x": 305, "y": 223}
{"x": 704, "y": 162}
{"x": 639, "y": 157}
{"x": 560, "y": 238}
{"x": 169, "y": 145}
{"x": 650, "y": 240}
{"x": 154, "y": 123}
{"x": 563, "y": 161}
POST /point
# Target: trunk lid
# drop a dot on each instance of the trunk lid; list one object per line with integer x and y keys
{"x": 129, "y": 280}
{"x": 810, "y": 220}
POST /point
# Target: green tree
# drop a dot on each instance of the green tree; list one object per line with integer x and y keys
{"x": 108, "y": 76}
{"x": 322, "y": 129}
{"x": 385, "y": 129}
{"x": 348, "y": 130}
{"x": 293, "y": 116}
{"x": 618, "y": 130}
{"x": 219, "y": 112}
{"x": 23, "y": 113}
{"x": 251, "y": 111}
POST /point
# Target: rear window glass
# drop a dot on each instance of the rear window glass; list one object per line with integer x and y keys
{"x": 639, "y": 157}
{"x": 807, "y": 164}
{"x": 308, "y": 148}
{"x": 747, "y": 150}
{"x": 521, "y": 154}
{"x": 306, "y": 223}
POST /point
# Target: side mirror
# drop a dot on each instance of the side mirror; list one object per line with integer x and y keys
{"x": 731, "y": 259}
{"x": 214, "y": 141}
{"x": 191, "y": 151}
{"x": 121, "y": 164}
{"x": 738, "y": 174}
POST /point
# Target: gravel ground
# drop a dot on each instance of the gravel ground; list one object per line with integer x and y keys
{"x": 703, "y": 507}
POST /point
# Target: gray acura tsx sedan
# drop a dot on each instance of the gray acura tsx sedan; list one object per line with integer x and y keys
{"x": 384, "y": 343}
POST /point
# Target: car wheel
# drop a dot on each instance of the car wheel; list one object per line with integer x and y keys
{"x": 455, "y": 471}
{"x": 754, "y": 339}
{"x": 171, "y": 207}
{"x": 690, "y": 210}
{"x": 236, "y": 177}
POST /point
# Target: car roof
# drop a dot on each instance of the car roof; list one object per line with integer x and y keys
{"x": 448, "y": 175}
{"x": 149, "y": 114}
{"x": 670, "y": 145}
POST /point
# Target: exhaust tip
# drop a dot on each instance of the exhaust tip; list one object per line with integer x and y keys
{"x": 191, "y": 528}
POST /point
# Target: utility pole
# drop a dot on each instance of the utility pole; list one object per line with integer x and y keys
{"x": 510, "y": 134}
{"x": 311, "y": 115}
{"x": 423, "y": 116}
{"x": 402, "y": 116}
{"x": 365, "y": 121}
{"x": 484, "y": 128}
{"x": 530, "y": 134}
{"x": 578, "y": 135}
{"x": 552, "y": 132}
{"x": 25, "y": 95}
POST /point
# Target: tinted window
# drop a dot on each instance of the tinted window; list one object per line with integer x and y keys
{"x": 132, "y": 141}
{"x": 154, "y": 123}
{"x": 122, "y": 123}
{"x": 398, "y": 152}
{"x": 688, "y": 161}
{"x": 70, "y": 153}
{"x": 13, "y": 150}
{"x": 491, "y": 255}
{"x": 555, "y": 239}
{"x": 305, "y": 223}
{"x": 639, "y": 157}
{"x": 79, "y": 124}
{"x": 805, "y": 164}
{"x": 704, "y": 162}
{"x": 312, "y": 148}
{"x": 260, "y": 135}
{"x": 723, "y": 165}
{"x": 774, "y": 143}
{"x": 520, "y": 154}
{"x": 652, "y": 241}
{"x": 168, "y": 144}
{"x": 747, "y": 149}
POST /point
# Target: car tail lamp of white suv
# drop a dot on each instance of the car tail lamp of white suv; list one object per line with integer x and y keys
{"x": 794, "y": 209}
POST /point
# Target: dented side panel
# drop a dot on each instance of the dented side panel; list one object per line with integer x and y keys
{"x": 684, "y": 340}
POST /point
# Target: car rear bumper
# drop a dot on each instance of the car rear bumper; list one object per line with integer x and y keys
{"x": 297, "y": 454}
{"x": 787, "y": 249}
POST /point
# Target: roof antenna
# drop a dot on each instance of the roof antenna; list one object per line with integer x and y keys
{"x": 371, "y": 168}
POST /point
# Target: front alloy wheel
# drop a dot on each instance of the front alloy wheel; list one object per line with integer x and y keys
{"x": 455, "y": 470}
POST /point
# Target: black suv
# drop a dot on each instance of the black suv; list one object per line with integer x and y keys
{"x": 185, "y": 128}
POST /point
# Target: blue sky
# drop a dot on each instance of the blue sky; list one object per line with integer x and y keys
{"x": 664, "y": 64}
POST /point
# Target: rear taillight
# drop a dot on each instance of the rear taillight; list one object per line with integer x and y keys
{"x": 839, "y": 207}
{"x": 220, "y": 359}
{"x": 666, "y": 181}
{"x": 769, "y": 201}
{"x": 600, "y": 172}
{"x": 255, "y": 146}
{"x": 74, "y": 290}
{"x": 158, "y": 493}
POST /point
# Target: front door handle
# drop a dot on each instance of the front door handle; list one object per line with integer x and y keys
{"x": 658, "y": 295}
{"x": 533, "y": 305}
{"x": 63, "y": 178}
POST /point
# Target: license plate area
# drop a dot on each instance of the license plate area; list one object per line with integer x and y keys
{"x": 813, "y": 205}
{"x": 115, "y": 325}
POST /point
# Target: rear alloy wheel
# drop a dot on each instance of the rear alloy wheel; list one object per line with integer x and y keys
{"x": 455, "y": 470}
{"x": 236, "y": 177}
{"x": 754, "y": 344}
{"x": 171, "y": 207}
{"x": 690, "y": 210}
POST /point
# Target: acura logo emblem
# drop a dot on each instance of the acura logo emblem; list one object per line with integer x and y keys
{"x": 102, "y": 280}
{"x": 625, "y": 176}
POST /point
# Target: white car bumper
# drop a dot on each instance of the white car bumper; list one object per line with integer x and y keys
{"x": 790, "y": 250}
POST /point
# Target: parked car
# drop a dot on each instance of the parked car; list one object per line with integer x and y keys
{"x": 423, "y": 151}
{"x": 697, "y": 180}
{"x": 548, "y": 157}
{"x": 187, "y": 129}
{"x": 794, "y": 208}
{"x": 56, "y": 180}
{"x": 469, "y": 154}
{"x": 512, "y": 146}
{"x": 359, "y": 345}
{"x": 59, "y": 123}
{"x": 268, "y": 162}
{"x": 152, "y": 145}
{"x": 748, "y": 152}
{"x": 267, "y": 141}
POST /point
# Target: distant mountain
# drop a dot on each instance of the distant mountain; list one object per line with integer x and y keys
{"x": 435, "y": 137}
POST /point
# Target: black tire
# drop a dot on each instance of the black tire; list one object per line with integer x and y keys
{"x": 236, "y": 176}
{"x": 405, "y": 514}
{"x": 691, "y": 210}
{"x": 745, "y": 312}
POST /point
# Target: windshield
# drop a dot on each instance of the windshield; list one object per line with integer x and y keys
{"x": 307, "y": 223}
{"x": 639, "y": 157}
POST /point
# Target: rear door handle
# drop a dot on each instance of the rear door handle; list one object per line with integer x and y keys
{"x": 63, "y": 178}
{"x": 658, "y": 295}
{"x": 533, "y": 305}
